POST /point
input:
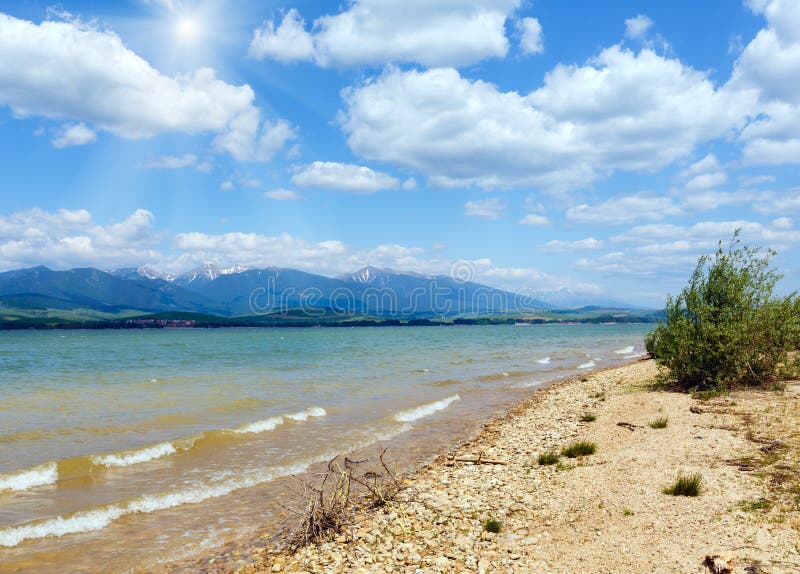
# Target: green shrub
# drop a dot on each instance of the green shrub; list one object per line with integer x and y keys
{"x": 755, "y": 505}
{"x": 588, "y": 418}
{"x": 686, "y": 485}
{"x": 578, "y": 449}
{"x": 726, "y": 328}
{"x": 659, "y": 423}
{"x": 547, "y": 458}
{"x": 494, "y": 526}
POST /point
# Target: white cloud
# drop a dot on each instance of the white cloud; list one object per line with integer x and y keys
{"x": 637, "y": 26}
{"x": 282, "y": 195}
{"x": 172, "y": 162}
{"x": 559, "y": 246}
{"x": 532, "y": 41}
{"x": 226, "y": 186}
{"x": 73, "y": 135}
{"x": 535, "y": 219}
{"x": 489, "y": 208}
{"x": 374, "y": 32}
{"x": 707, "y": 180}
{"x": 287, "y": 42}
{"x": 73, "y": 70}
{"x": 756, "y": 180}
{"x": 769, "y": 68}
{"x": 624, "y": 209}
{"x": 343, "y": 177}
{"x": 69, "y": 238}
{"x": 621, "y": 111}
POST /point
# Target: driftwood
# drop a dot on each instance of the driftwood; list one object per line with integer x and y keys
{"x": 630, "y": 426}
{"x": 471, "y": 460}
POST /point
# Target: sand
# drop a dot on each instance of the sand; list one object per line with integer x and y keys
{"x": 605, "y": 512}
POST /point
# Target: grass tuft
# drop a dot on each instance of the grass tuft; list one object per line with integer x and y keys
{"x": 686, "y": 485}
{"x": 660, "y": 423}
{"x": 494, "y": 526}
{"x": 588, "y": 418}
{"x": 755, "y": 505}
{"x": 578, "y": 449}
{"x": 627, "y": 512}
{"x": 547, "y": 458}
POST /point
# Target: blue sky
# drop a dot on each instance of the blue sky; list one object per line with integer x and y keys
{"x": 596, "y": 146}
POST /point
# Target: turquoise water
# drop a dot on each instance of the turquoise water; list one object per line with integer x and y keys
{"x": 105, "y": 435}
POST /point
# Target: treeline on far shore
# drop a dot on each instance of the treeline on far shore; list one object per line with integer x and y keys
{"x": 193, "y": 321}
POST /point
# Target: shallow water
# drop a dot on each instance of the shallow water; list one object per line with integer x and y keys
{"x": 121, "y": 448}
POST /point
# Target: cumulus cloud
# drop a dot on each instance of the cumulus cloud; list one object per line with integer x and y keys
{"x": 623, "y": 210}
{"x": 705, "y": 173}
{"x": 489, "y": 208}
{"x": 535, "y": 219}
{"x": 769, "y": 67}
{"x": 373, "y": 32}
{"x": 559, "y": 246}
{"x": 622, "y": 110}
{"x": 532, "y": 41}
{"x": 69, "y": 238}
{"x": 344, "y": 177}
{"x": 73, "y": 135}
{"x": 76, "y": 71}
{"x": 637, "y": 26}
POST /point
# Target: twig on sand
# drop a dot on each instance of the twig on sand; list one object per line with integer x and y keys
{"x": 471, "y": 460}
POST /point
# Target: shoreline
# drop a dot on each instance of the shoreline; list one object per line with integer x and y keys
{"x": 604, "y": 513}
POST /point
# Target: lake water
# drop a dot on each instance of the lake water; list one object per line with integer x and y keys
{"x": 119, "y": 449}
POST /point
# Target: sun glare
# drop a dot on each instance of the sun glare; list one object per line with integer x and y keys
{"x": 188, "y": 29}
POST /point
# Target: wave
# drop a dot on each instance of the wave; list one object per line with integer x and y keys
{"x": 635, "y": 355}
{"x": 272, "y": 422}
{"x": 420, "y": 371}
{"x": 29, "y": 478}
{"x": 528, "y": 384}
{"x": 134, "y": 456}
{"x": 81, "y": 466}
{"x": 99, "y": 518}
{"x": 544, "y": 361}
{"x": 425, "y": 410}
{"x": 625, "y": 350}
{"x": 587, "y": 365}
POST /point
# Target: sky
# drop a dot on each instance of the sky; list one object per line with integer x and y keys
{"x": 596, "y": 146}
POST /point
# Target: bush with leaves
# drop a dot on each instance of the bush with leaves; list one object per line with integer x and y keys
{"x": 727, "y": 327}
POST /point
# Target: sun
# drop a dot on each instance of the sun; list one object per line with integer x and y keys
{"x": 188, "y": 29}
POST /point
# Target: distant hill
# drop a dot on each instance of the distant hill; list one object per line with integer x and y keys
{"x": 94, "y": 289}
{"x": 278, "y": 293}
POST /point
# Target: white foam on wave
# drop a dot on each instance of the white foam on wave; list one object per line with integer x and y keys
{"x": 587, "y": 365}
{"x": 528, "y": 384}
{"x": 544, "y": 361}
{"x": 272, "y": 422}
{"x": 29, "y": 478}
{"x": 634, "y": 356}
{"x": 136, "y": 456}
{"x": 625, "y": 350}
{"x": 308, "y": 413}
{"x": 425, "y": 410}
{"x": 99, "y": 518}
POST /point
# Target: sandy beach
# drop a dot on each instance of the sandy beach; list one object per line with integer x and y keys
{"x": 605, "y": 512}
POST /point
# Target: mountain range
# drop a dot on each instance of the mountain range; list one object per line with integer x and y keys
{"x": 241, "y": 291}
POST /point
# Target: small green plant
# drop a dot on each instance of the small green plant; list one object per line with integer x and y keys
{"x": 562, "y": 466}
{"x": 493, "y": 526}
{"x": 755, "y": 505}
{"x": 686, "y": 485}
{"x": 660, "y": 423}
{"x": 578, "y": 449}
{"x": 627, "y": 512}
{"x": 547, "y": 458}
{"x": 588, "y": 418}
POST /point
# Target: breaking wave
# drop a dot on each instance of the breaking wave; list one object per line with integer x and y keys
{"x": 425, "y": 410}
